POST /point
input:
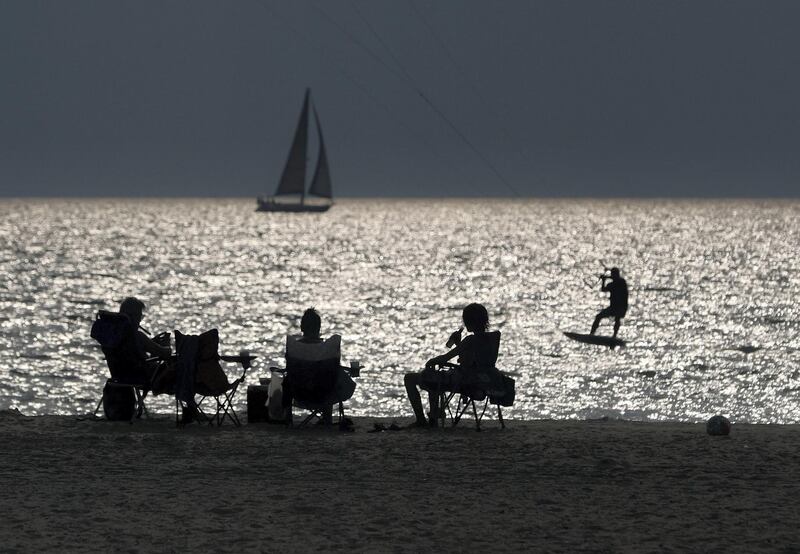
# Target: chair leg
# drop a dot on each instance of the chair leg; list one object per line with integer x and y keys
{"x": 485, "y": 406}
{"x": 500, "y": 417}
{"x": 140, "y": 406}
{"x": 225, "y": 409}
{"x": 216, "y": 416}
{"x": 221, "y": 412}
{"x": 97, "y": 409}
{"x": 136, "y": 405}
{"x": 144, "y": 405}
{"x": 475, "y": 413}
{"x": 201, "y": 415}
{"x": 234, "y": 418}
{"x": 308, "y": 419}
{"x": 460, "y": 411}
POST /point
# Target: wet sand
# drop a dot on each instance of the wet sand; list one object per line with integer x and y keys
{"x": 536, "y": 486}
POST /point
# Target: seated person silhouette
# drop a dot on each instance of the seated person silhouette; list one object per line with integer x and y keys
{"x": 618, "y": 289}
{"x": 314, "y": 375}
{"x": 477, "y": 354}
{"x": 146, "y": 347}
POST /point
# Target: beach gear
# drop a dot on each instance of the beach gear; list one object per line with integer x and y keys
{"x": 200, "y": 374}
{"x": 316, "y": 398}
{"x": 257, "y": 396}
{"x": 116, "y": 335}
{"x": 275, "y": 403}
{"x": 111, "y": 328}
{"x": 128, "y": 367}
{"x": 119, "y": 401}
{"x": 462, "y": 390}
{"x": 314, "y": 378}
{"x": 610, "y": 342}
{"x": 718, "y": 426}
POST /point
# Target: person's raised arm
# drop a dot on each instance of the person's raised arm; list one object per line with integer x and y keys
{"x": 153, "y": 348}
{"x": 438, "y": 360}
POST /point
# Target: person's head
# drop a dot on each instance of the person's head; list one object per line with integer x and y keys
{"x": 476, "y": 318}
{"x": 133, "y": 308}
{"x": 615, "y": 273}
{"x": 310, "y": 324}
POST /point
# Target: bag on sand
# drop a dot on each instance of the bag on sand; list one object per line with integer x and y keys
{"x": 506, "y": 397}
{"x": 119, "y": 402}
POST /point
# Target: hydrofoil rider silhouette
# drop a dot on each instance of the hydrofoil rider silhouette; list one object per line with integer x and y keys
{"x": 618, "y": 289}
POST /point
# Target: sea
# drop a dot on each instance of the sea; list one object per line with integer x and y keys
{"x": 712, "y": 327}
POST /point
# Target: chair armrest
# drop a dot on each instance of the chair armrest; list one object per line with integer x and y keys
{"x": 244, "y": 360}
{"x": 354, "y": 372}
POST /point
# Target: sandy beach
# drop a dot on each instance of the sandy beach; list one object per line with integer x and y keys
{"x": 536, "y": 486}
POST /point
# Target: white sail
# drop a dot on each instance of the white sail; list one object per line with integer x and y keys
{"x": 321, "y": 183}
{"x": 294, "y": 173}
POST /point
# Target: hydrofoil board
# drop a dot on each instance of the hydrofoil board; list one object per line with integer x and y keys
{"x": 610, "y": 342}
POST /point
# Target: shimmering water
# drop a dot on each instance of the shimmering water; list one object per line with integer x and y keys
{"x": 391, "y": 276}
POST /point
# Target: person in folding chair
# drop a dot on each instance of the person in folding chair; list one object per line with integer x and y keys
{"x": 315, "y": 379}
{"x": 474, "y": 373}
{"x": 134, "y": 309}
{"x": 134, "y": 360}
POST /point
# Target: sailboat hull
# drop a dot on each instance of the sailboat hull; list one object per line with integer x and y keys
{"x": 270, "y": 206}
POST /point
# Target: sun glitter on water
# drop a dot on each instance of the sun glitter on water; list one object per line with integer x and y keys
{"x": 707, "y": 280}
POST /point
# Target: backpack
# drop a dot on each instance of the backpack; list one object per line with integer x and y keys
{"x": 119, "y": 402}
{"x": 508, "y": 394}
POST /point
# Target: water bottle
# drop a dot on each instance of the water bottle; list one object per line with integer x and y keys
{"x": 455, "y": 338}
{"x": 245, "y": 356}
{"x": 275, "y": 400}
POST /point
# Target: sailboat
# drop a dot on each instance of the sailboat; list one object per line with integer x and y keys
{"x": 293, "y": 179}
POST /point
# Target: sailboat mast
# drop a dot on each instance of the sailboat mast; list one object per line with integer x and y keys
{"x": 305, "y": 162}
{"x": 321, "y": 182}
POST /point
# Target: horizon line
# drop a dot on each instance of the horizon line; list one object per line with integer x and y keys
{"x": 357, "y": 198}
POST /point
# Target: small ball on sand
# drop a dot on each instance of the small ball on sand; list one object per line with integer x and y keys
{"x": 718, "y": 425}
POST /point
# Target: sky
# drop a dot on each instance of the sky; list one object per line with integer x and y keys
{"x": 416, "y": 97}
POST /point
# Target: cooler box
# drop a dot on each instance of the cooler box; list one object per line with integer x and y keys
{"x": 257, "y": 396}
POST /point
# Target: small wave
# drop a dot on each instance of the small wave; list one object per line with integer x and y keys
{"x": 659, "y": 289}
{"x": 747, "y": 349}
{"x": 36, "y": 356}
{"x": 774, "y": 320}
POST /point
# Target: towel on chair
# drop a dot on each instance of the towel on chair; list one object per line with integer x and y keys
{"x": 186, "y": 347}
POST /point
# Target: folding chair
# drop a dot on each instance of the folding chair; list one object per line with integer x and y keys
{"x": 471, "y": 397}
{"x": 314, "y": 377}
{"x": 223, "y": 400}
{"x": 315, "y": 411}
{"x": 117, "y": 337}
{"x": 489, "y": 387}
{"x": 202, "y": 349}
{"x": 341, "y": 389}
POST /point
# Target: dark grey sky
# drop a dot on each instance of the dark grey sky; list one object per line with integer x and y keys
{"x": 200, "y": 97}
